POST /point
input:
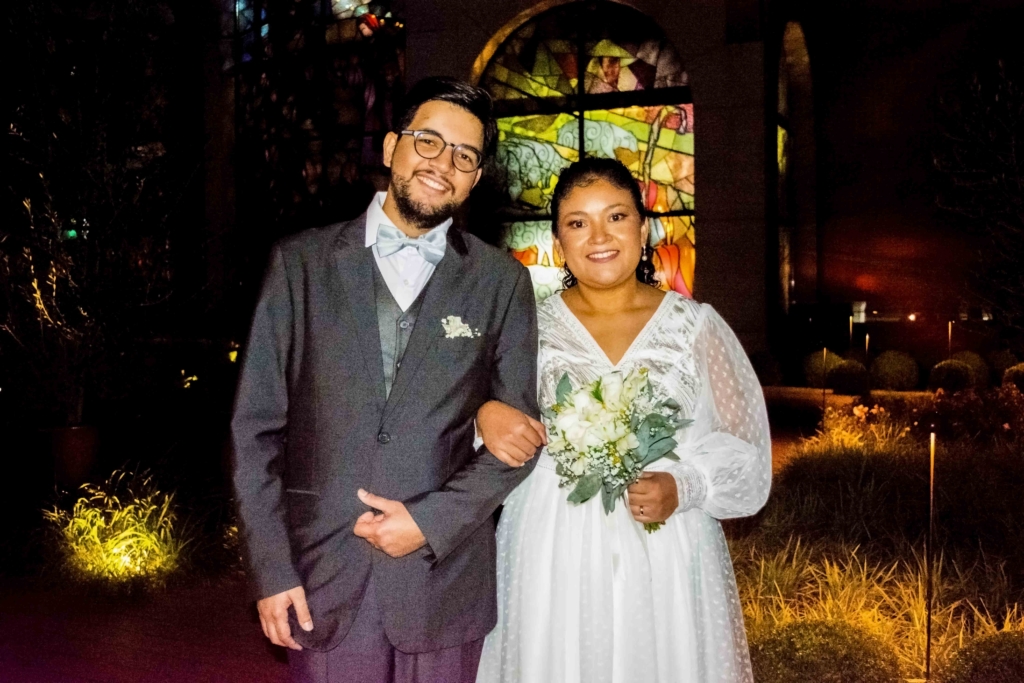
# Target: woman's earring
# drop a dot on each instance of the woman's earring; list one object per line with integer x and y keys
{"x": 644, "y": 257}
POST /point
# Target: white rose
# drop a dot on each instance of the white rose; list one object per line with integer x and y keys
{"x": 593, "y": 438}
{"x": 627, "y": 443}
{"x": 582, "y": 401}
{"x": 611, "y": 391}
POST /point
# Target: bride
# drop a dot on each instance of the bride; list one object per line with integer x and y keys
{"x": 585, "y": 597}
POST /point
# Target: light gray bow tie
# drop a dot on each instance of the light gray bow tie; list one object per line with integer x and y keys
{"x": 391, "y": 240}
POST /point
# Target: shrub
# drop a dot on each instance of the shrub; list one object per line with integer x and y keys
{"x": 860, "y": 429}
{"x": 816, "y": 651}
{"x": 121, "y": 533}
{"x": 951, "y": 375}
{"x": 998, "y": 658}
{"x": 1000, "y": 361}
{"x": 894, "y": 370}
{"x": 850, "y": 378}
{"x": 1015, "y": 375}
{"x": 816, "y": 368}
{"x": 979, "y": 368}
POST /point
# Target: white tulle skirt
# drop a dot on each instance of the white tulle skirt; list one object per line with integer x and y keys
{"x": 585, "y": 597}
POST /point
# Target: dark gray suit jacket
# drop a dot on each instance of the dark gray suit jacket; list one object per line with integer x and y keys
{"x": 311, "y": 426}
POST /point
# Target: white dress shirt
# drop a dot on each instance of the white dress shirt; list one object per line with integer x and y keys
{"x": 406, "y": 272}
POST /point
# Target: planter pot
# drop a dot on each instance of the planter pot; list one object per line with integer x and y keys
{"x": 74, "y": 455}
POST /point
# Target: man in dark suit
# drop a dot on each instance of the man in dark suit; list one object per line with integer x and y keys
{"x": 366, "y": 511}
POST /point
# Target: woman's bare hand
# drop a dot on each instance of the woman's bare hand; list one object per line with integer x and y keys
{"x": 509, "y": 434}
{"x": 654, "y": 497}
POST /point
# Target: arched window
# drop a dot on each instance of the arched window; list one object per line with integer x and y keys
{"x": 798, "y": 260}
{"x": 615, "y": 66}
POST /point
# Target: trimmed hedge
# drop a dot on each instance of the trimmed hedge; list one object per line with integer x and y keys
{"x": 1015, "y": 375}
{"x": 998, "y": 658}
{"x": 895, "y": 371}
{"x": 979, "y": 368}
{"x": 951, "y": 376}
{"x": 816, "y": 651}
{"x": 816, "y": 369}
{"x": 849, "y": 378}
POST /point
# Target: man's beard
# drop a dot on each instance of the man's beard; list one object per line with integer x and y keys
{"x": 418, "y": 214}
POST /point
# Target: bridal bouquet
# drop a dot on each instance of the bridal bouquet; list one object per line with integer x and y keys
{"x": 604, "y": 434}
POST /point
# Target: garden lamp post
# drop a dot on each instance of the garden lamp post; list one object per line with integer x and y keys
{"x": 928, "y": 558}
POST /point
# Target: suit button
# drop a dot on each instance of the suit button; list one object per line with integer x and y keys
{"x": 383, "y": 438}
{"x": 404, "y": 324}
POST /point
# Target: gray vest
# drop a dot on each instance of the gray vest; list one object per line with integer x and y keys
{"x": 394, "y": 325}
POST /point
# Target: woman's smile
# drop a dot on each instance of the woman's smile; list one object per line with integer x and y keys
{"x": 603, "y": 256}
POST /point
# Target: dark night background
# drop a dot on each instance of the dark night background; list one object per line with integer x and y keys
{"x": 151, "y": 160}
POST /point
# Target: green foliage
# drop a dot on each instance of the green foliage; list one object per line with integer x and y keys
{"x": 819, "y": 651}
{"x": 121, "y": 533}
{"x": 817, "y": 365}
{"x": 951, "y": 375}
{"x": 849, "y": 377}
{"x": 99, "y": 165}
{"x": 998, "y": 658}
{"x": 895, "y": 371}
{"x": 1014, "y": 375}
{"x": 979, "y": 368}
{"x": 995, "y": 415}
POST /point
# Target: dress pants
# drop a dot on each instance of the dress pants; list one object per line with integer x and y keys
{"x": 366, "y": 656}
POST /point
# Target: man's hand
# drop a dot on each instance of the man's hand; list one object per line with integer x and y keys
{"x": 510, "y": 435}
{"x": 274, "y": 616}
{"x": 654, "y": 497}
{"x": 392, "y": 530}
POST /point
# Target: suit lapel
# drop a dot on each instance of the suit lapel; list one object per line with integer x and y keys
{"x": 438, "y": 299}
{"x": 354, "y": 268}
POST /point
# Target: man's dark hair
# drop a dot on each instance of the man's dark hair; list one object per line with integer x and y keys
{"x": 586, "y": 172}
{"x": 469, "y": 97}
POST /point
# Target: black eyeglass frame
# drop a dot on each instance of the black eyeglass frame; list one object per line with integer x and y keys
{"x": 455, "y": 148}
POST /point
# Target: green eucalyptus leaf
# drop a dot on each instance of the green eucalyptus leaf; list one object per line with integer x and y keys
{"x": 657, "y": 450}
{"x": 586, "y": 488}
{"x": 627, "y": 460}
{"x": 608, "y": 498}
{"x": 564, "y": 389}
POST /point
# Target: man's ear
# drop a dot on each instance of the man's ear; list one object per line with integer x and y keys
{"x": 479, "y": 175}
{"x": 390, "y": 142}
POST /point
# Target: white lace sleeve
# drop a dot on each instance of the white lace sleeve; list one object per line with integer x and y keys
{"x": 725, "y": 458}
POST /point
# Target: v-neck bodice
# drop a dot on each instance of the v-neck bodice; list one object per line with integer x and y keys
{"x": 638, "y": 340}
{"x": 664, "y": 346}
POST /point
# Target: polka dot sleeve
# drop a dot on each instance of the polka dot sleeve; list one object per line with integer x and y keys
{"x": 725, "y": 458}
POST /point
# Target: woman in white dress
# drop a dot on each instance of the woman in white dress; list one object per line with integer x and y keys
{"x": 585, "y": 597}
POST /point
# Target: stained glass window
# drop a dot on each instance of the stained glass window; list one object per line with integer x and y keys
{"x": 636, "y": 108}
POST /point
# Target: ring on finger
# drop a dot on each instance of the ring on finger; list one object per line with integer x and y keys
{"x": 641, "y": 510}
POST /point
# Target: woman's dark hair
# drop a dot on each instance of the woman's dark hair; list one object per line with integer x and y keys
{"x": 586, "y": 172}
{"x": 471, "y": 98}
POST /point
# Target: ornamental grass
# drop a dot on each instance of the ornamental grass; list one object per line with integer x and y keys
{"x": 121, "y": 534}
{"x": 839, "y": 548}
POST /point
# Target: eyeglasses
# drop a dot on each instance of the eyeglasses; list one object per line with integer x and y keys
{"x": 429, "y": 145}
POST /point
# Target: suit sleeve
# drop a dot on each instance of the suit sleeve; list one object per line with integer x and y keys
{"x": 448, "y": 516}
{"x": 258, "y": 428}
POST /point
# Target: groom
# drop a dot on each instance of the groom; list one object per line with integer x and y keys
{"x": 366, "y": 512}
